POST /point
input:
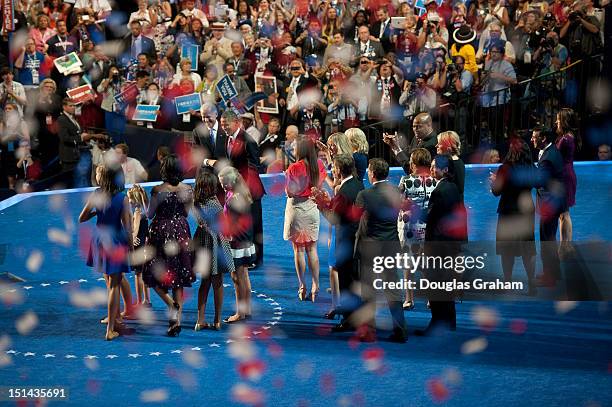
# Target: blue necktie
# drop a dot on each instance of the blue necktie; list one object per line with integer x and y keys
{"x": 213, "y": 137}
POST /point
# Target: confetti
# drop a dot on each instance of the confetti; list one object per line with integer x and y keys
{"x": 437, "y": 390}
{"x": 518, "y": 326}
{"x": 563, "y": 307}
{"x": 154, "y": 396}
{"x": 486, "y": 318}
{"x": 251, "y": 370}
{"x": 373, "y": 359}
{"x": 243, "y": 393}
{"x": 34, "y": 261}
{"x": 193, "y": 358}
{"x": 10, "y": 295}
{"x": 304, "y": 370}
{"x": 88, "y": 299}
{"x": 327, "y": 383}
{"x": 59, "y": 237}
{"x": 91, "y": 363}
{"x": 474, "y": 346}
{"x": 172, "y": 248}
{"x": 26, "y": 323}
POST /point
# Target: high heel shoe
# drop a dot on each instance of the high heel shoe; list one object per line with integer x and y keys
{"x": 200, "y": 327}
{"x": 302, "y": 293}
{"x": 313, "y": 295}
{"x": 174, "y": 330}
{"x": 331, "y": 314}
{"x": 408, "y": 305}
{"x": 231, "y": 320}
{"x": 174, "y": 314}
{"x": 216, "y": 326}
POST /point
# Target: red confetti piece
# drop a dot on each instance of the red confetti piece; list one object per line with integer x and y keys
{"x": 323, "y": 330}
{"x": 245, "y": 394}
{"x": 327, "y": 382}
{"x": 251, "y": 370}
{"x": 93, "y": 386}
{"x": 275, "y": 350}
{"x": 518, "y": 326}
{"x": 278, "y": 382}
{"x": 437, "y": 390}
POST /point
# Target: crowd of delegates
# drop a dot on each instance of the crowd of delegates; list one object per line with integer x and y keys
{"x": 337, "y": 65}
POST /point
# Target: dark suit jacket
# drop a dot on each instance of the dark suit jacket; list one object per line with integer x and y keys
{"x": 444, "y": 213}
{"x": 385, "y": 40}
{"x": 549, "y": 180}
{"x": 70, "y": 140}
{"x": 201, "y": 136}
{"x": 429, "y": 143}
{"x": 244, "y": 156}
{"x": 380, "y": 206}
{"x": 148, "y": 47}
{"x": 343, "y": 206}
{"x": 313, "y": 47}
{"x": 303, "y": 84}
{"x": 375, "y": 51}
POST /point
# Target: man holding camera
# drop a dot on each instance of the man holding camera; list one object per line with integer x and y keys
{"x": 433, "y": 34}
{"x": 581, "y": 32}
{"x": 551, "y": 54}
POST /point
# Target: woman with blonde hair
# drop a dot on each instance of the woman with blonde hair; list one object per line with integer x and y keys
{"x": 139, "y": 202}
{"x": 238, "y": 229}
{"x": 360, "y": 145}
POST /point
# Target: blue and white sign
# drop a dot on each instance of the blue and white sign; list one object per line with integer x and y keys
{"x": 145, "y": 113}
{"x": 191, "y": 52}
{"x": 226, "y": 88}
{"x": 187, "y": 103}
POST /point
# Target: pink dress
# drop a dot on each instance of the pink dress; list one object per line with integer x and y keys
{"x": 567, "y": 146}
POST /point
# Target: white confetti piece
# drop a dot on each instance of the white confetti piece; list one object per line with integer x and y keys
{"x": 563, "y": 307}
{"x": 246, "y": 394}
{"x": 59, "y": 237}
{"x": 88, "y": 299}
{"x": 485, "y": 317}
{"x": 172, "y": 248}
{"x": 91, "y": 363}
{"x": 154, "y": 396}
{"x": 202, "y": 263}
{"x": 26, "y": 323}
{"x": 5, "y": 360}
{"x": 476, "y": 345}
{"x": 35, "y": 260}
{"x": 193, "y": 358}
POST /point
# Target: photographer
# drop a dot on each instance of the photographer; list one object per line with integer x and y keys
{"x": 581, "y": 33}
{"x": 419, "y": 97}
{"x": 454, "y": 78}
{"x": 114, "y": 118}
{"x": 490, "y": 36}
{"x": 551, "y": 55}
{"x": 433, "y": 33}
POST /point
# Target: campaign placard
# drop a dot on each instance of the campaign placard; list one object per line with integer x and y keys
{"x": 187, "y": 103}
{"x": 81, "y": 94}
{"x": 127, "y": 96}
{"x": 68, "y": 64}
{"x": 226, "y": 88}
{"x": 191, "y": 52}
{"x": 145, "y": 113}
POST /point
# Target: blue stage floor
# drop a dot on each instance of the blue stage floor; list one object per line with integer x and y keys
{"x": 529, "y": 353}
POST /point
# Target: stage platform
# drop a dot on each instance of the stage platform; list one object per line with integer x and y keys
{"x": 526, "y": 352}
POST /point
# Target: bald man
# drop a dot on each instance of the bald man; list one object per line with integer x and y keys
{"x": 291, "y": 134}
{"x": 424, "y": 137}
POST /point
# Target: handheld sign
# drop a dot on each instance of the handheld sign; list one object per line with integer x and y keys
{"x": 81, "y": 94}
{"x": 68, "y": 64}
{"x": 184, "y": 104}
{"x": 190, "y": 52}
{"x": 226, "y": 88}
{"x": 127, "y": 96}
{"x": 145, "y": 113}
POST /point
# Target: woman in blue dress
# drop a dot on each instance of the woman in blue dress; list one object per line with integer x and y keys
{"x": 112, "y": 236}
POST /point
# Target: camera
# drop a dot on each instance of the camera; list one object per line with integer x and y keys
{"x": 452, "y": 69}
{"x": 574, "y": 15}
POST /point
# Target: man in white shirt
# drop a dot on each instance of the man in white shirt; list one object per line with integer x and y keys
{"x": 101, "y": 8}
{"x": 133, "y": 170}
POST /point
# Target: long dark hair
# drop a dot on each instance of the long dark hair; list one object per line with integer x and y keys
{"x": 305, "y": 150}
{"x": 206, "y": 186}
{"x": 112, "y": 180}
{"x": 569, "y": 124}
{"x": 170, "y": 170}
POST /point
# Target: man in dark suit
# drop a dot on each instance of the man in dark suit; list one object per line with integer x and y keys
{"x": 424, "y": 137}
{"x": 442, "y": 240}
{"x": 135, "y": 44}
{"x": 292, "y": 88}
{"x": 341, "y": 212}
{"x": 210, "y": 136}
{"x": 313, "y": 47}
{"x": 367, "y": 47}
{"x": 382, "y": 30}
{"x": 74, "y": 151}
{"x": 550, "y": 202}
{"x": 243, "y": 154}
{"x": 377, "y": 236}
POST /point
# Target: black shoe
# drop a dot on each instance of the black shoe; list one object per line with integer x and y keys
{"x": 248, "y": 317}
{"x": 174, "y": 330}
{"x": 422, "y": 332}
{"x": 176, "y": 309}
{"x": 331, "y": 314}
{"x": 343, "y": 326}
{"x": 398, "y": 336}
